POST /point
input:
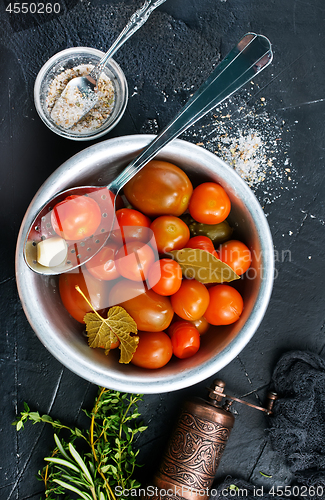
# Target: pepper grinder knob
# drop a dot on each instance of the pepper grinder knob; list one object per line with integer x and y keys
{"x": 216, "y": 391}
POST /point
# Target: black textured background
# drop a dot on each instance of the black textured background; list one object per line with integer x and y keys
{"x": 168, "y": 58}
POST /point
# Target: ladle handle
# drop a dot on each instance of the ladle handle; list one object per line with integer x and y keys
{"x": 136, "y": 21}
{"x": 250, "y": 56}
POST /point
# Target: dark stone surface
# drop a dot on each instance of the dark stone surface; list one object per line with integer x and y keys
{"x": 164, "y": 62}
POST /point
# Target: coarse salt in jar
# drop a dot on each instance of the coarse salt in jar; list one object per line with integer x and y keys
{"x": 52, "y": 79}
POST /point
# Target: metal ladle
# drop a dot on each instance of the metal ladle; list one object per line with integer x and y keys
{"x": 250, "y": 56}
{"x": 80, "y": 94}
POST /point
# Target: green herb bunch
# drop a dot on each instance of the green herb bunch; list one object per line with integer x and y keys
{"x": 108, "y": 459}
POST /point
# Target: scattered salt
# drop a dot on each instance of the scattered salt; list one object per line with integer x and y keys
{"x": 251, "y": 141}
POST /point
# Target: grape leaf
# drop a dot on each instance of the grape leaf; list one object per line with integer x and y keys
{"x": 99, "y": 332}
{"x": 118, "y": 325}
{"x": 203, "y": 266}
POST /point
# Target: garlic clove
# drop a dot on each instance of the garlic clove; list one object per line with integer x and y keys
{"x": 52, "y": 251}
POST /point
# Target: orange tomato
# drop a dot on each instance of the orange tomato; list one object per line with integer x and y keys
{"x": 153, "y": 351}
{"x": 209, "y": 203}
{"x": 76, "y": 217}
{"x": 131, "y": 225}
{"x": 165, "y": 277}
{"x": 202, "y": 243}
{"x": 236, "y": 255}
{"x": 191, "y": 300}
{"x": 225, "y": 306}
{"x": 170, "y": 233}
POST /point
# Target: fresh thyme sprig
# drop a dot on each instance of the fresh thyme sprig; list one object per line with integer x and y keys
{"x": 109, "y": 460}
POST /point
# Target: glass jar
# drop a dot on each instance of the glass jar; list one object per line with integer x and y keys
{"x": 68, "y": 59}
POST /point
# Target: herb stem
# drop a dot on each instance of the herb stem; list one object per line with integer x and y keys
{"x": 92, "y": 425}
{"x": 46, "y": 473}
{"x": 92, "y": 421}
{"x": 122, "y": 449}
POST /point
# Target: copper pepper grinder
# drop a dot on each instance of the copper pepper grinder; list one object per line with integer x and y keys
{"x": 193, "y": 453}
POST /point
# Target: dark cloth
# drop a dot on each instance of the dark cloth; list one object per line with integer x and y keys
{"x": 297, "y": 428}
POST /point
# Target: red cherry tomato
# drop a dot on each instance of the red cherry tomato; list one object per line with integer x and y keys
{"x": 102, "y": 265}
{"x": 131, "y": 217}
{"x": 236, "y": 254}
{"x": 209, "y": 203}
{"x": 76, "y": 217}
{"x": 165, "y": 277}
{"x": 225, "y": 307}
{"x": 95, "y": 290}
{"x": 150, "y": 311}
{"x": 131, "y": 225}
{"x": 201, "y": 242}
{"x": 191, "y": 300}
{"x": 185, "y": 339}
{"x": 134, "y": 260}
{"x": 170, "y": 233}
{"x": 153, "y": 351}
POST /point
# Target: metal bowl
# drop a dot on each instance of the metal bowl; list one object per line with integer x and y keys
{"x": 61, "y": 334}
